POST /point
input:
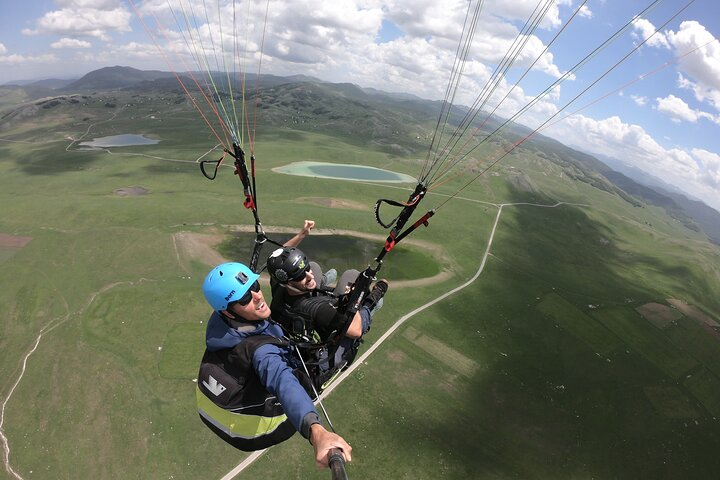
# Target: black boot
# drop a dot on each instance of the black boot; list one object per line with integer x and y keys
{"x": 377, "y": 293}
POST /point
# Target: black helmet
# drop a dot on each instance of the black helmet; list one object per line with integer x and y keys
{"x": 287, "y": 264}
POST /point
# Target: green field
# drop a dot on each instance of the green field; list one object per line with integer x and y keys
{"x": 582, "y": 326}
{"x": 540, "y": 369}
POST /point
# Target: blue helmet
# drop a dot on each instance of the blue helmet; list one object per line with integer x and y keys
{"x": 227, "y": 283}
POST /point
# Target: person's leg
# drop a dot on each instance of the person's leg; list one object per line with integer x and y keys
{"x": 366, "y": 316}
{"x": 325, "y": 280}
{"x": 316, "y": 271}
{"x": 375, "y": 307}
{"x": 346, "y": 280}
{"x": 345, "y": 352}
{"x": 374, "y": 300}
{"x": 328, "y": 279}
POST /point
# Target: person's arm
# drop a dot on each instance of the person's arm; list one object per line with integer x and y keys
{"x": 337, "y": 319}
{"x": 324, "y": 441}
{"x": 304, "y": 232}
{"x": 326, "y": 317}
{"x": 278, "y": 379}
{"x": 355, "y": 328}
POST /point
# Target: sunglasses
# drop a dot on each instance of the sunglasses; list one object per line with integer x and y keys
{"x": 301, "y": 276}
{"x": 247, "y": 298}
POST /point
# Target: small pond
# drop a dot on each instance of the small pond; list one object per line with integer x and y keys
{"x": 125, "y": 140}
{"x": 344, "y": 171}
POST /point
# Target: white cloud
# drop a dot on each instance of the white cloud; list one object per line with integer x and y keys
{"x": 676, "y": 108}
{"x": 22, "y": 60}
{"x": 585, "y": 12}
{"x": 427, "y": 17}
{"x": 70, "y": 43}
{"x": 83, "y": 18}
{"x": 643, "y": 29}
{"x": 700, "y": 60}
{"x": 698, "y": 54}
{"x": 15, "y": 60}
{"x": 685, "y": 83}
{"x": 639, "y": 100}
{"x": 709, "y": 163}
{"x": 679, "y": 110}
{"x": 532, "y": 49}
{"x": 317, "y": 32}
{"x": 424, "y": 56}
{"x": 337, "y": 41}
{"x": 521, "y": 10}
{"x": 696, "y": 172}
{"x": 132, "y": 50}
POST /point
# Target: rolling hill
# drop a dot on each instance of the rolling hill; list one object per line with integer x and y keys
{"x": 396, "y": 122}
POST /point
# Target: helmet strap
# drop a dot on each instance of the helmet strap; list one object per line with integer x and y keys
{"x": 229, "y": 315}
{"x": 293, "y": 290}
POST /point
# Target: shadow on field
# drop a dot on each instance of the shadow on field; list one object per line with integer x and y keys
{"x": 575, "y": 255}
{"x": 545, "y": 405}
{"x": 52, "y": 160}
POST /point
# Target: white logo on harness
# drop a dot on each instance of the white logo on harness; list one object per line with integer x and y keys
{"x": 215, "y": 387}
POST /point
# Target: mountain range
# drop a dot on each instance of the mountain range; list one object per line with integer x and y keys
{"x": 382, "y": 116}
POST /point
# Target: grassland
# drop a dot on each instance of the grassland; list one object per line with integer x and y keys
{"x": 557, "y": 376}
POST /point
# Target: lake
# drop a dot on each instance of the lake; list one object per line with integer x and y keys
{"x": 344, "y": 171}
{"x": 119, "y": 141}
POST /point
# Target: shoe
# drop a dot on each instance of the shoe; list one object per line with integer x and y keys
{"x": 374, "y": 300}
{"x": 329, "y": 278}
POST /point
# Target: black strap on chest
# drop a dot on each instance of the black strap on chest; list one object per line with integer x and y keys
{"x": 242, "y": 354}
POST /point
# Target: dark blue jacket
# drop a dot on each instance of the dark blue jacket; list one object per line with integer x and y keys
{"x": 273, "y": 364}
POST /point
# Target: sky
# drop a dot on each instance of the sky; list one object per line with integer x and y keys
{"x": 657, "y": 110}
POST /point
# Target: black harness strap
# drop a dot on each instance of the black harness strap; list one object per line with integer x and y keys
{"x": 250, "y": 192}
{"x": 217, "y": 164}
{"x": 394, "y": 239}
{"x": 393, "y": 203}
{"x": 399, "y": 222}
{"x": 242, "y": 171}
{"x": 352, "y": 302}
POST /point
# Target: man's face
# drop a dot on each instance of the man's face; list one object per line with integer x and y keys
{"x": 255, "y": 310}
{"x": 305, "y": 283}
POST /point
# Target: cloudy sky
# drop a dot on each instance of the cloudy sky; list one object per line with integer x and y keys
{"x": 659, "y": 110}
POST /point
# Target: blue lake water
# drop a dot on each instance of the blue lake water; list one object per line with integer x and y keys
{"x": 119, "y": 141}
{"x": 344, "y": 171}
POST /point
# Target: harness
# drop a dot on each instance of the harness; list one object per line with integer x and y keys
{"x": 317, "y": 353}
{"x": 234, "y": 404}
